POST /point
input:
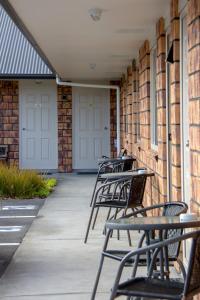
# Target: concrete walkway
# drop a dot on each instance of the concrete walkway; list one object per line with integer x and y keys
{"x": 53, "y": 262}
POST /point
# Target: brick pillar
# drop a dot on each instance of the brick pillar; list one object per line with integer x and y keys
{"x": 123, "y": 111}
{"x": 144, "y": 95}
{"x": 65, "y": 129}
{"x": 161, "y": 109}
{"x": 135, "y": 106}
{"x": 193, "y": 21}
{"x": 129, "y": 110}
{"x": 113, "y": 119}
{"x": 175, "y": 103}
{"x": 9, "y": 119}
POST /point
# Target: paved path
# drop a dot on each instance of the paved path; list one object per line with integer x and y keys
{"x": 53, "y": 262}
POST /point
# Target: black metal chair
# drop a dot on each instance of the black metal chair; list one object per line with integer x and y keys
{"x": 120, "y": 194}
{"x": 150, "y": 287}
{"x": 111, "y": 166}
{"x": 166, "y": 209}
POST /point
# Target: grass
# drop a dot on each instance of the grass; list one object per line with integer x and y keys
{"x": 23, "y": 184}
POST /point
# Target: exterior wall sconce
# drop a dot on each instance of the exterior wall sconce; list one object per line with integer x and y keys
{"x": 170, "y": 55}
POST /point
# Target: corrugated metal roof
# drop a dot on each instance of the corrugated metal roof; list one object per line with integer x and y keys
{"x": 17, "y": 56}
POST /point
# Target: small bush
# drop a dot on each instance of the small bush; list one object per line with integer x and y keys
{"x": 15, "y": 183}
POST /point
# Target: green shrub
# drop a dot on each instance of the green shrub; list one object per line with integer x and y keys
{"x": 15, "y": 183}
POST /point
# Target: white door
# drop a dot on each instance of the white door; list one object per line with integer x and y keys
{"x": 38, "y": 125}
{"x": 91, "y": 127}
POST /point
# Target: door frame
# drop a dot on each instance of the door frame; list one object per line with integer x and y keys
{"x": 73, "y": 126}
{"x": 168, "y": 123}
{"x": 186, "y": 244}
{"x": 182, "y": 16}
{"x": 22, "y": 82}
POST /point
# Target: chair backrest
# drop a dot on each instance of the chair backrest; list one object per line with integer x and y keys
{"x": 128, "y": 164}
{"x": 174, "y": 209}
{"x": 192, "y": 282}
{"x": 136, "y": 192}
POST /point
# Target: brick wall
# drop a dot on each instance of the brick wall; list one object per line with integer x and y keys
{"x": 64, "y": 129}
{"x": 9, "y": 119}
{"x": 139, "y": 99}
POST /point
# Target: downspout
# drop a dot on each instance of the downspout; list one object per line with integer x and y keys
{"x": 99, "y": 86}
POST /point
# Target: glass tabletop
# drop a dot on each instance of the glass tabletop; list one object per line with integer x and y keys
{"x": 126, "y": 174}
{"x": 152, "y": 223}
{"x": 104, "y": 160}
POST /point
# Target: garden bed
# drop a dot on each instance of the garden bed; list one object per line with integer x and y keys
{"x": 23, "y": 184}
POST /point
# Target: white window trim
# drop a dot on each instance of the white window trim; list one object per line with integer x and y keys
{"x": 153, "y": 100}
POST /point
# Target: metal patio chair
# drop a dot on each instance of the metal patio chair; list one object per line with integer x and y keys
{"x": 166, "y": 209}
{"x": 149, "y": 287}
{"x": 120, "y": 194}
{"x": 111, "y": 166}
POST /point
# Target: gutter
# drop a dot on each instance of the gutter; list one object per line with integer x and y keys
{"x": 99, "y": 86}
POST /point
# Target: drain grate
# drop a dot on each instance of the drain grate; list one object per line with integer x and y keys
{"x": 19, "y": 207}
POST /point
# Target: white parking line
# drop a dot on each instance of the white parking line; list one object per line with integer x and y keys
{"x": 10, "y": 228}
{"x": 19, "y": 207}
{"x": 14, "y": 217}
{"x": 9, "y": 244}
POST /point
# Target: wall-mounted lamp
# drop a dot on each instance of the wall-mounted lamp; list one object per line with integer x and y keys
{"x": 170, "y": 54}
{"x": 64, "y": 97}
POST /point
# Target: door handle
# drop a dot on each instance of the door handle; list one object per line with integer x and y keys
{"x": 187, "y": 144}
{"x": 105, "y": 128}
{"x": 23, "y": 129}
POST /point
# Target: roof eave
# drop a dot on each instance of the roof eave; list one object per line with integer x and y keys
{"x": 26, "y": 76}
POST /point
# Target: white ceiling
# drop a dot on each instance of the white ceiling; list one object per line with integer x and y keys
{"x": 72, "y": 41}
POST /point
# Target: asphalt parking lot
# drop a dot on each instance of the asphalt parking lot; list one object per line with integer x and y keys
{"x": 16, "y": 216}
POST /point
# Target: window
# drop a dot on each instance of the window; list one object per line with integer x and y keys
{"x": 153, "y": 100}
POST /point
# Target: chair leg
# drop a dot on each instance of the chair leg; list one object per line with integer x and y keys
{"x": 114, "y": 218}
{"x": 118, "y": 235}
{"x": 128, "y": 232}
{"x": 97, "y": 278}
{"x": 94, "y": 190}
{"x": 89, "y": 224}
{"x": 108, "y": 216}
{"x": 129, "y": 238}
{"x": 95, "y": 218}
{"x": 100, "y": 267}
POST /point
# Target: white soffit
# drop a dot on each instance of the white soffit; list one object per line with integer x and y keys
{"x": 79, "y": 48}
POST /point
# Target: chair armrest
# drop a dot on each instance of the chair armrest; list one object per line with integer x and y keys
{"x": 108, "y": 185}
{"x": 144, "y": 210}
{"x": 125, "y": 183}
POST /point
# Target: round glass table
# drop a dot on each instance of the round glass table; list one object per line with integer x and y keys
{"x": 150, "y": 224}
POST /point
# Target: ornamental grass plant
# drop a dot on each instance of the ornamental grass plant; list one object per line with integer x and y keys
{"x": 23, "y": 184}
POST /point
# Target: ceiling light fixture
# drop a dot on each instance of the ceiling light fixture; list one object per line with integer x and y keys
{"x": 92, "y": 66}
{"x": 95, "y": 13}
